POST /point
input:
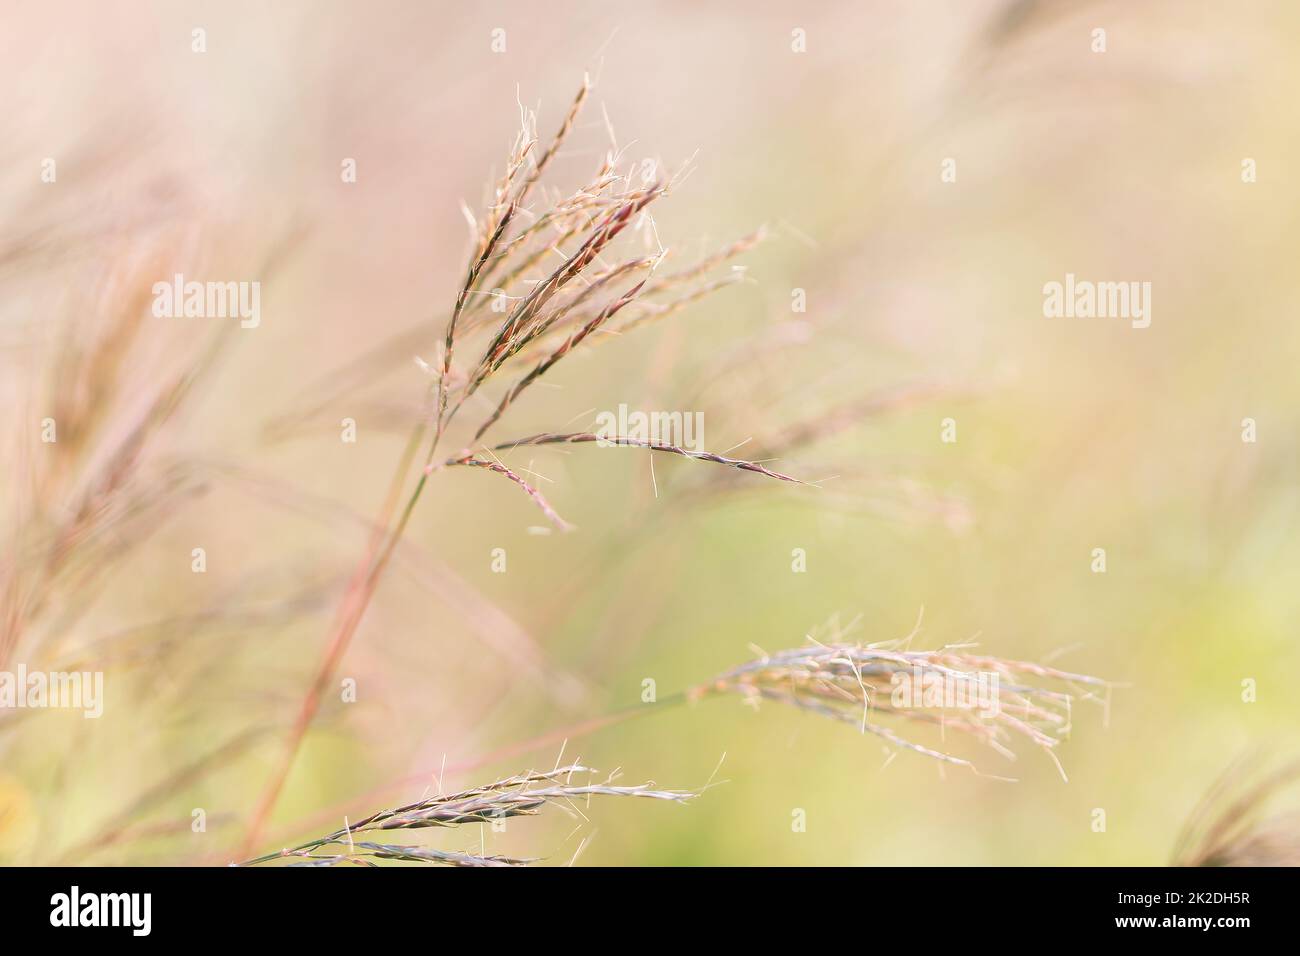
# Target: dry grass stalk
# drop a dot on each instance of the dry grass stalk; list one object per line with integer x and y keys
{"x": 558, "y": 311}
{"x": 526, "y": 794}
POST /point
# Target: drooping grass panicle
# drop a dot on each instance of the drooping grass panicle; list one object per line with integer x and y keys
{"x": 878, "y": 687}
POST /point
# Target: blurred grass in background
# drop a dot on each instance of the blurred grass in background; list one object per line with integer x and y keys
{"x": 1072, "y": 433}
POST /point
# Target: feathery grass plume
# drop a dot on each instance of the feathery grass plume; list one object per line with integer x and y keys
{"x": 550, "y": 314}
{"x": 537, "y": 317}
{"x": 525, "y": 794}
{"x": 873, "y": 685}
{"x": 1230, "y": 826}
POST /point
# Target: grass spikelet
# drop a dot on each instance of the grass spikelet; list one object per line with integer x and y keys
{"x": 580, "y": 438}
{"x": 533, "y": 493}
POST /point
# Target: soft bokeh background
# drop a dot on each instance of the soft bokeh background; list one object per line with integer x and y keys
{"x": 1072, "y": 433}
